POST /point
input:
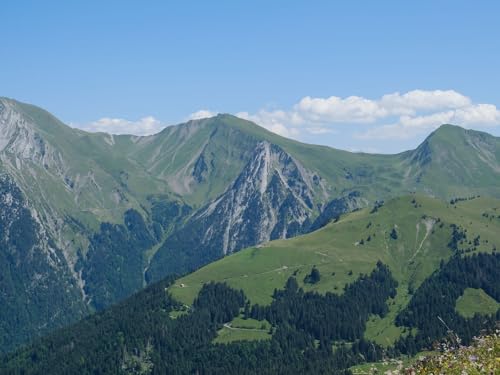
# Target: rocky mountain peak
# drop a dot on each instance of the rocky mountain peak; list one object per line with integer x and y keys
{"x": 21, "y": 142}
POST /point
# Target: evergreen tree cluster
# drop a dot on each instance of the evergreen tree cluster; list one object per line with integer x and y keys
{"x": 220, "y": 301}
{"x": 462, "y": 199}
{"x": 113, "y": 267}
{"x": 314, "y": 277}
{"x": 458, "y": 236}
{"x": 432, "y": 307}
{"x": 331, "y": 317}
{"x": 98, "y": 343}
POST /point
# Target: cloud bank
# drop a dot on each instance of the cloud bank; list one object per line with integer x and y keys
{"x": 391, "y": 116}
{"x": 202, "y": 113}
{"x": 144, "y": 126}
{"x": 354, "y": 119}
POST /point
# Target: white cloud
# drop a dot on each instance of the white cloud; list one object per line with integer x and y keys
{"x": 421, "y": 100}
{"x": 144, "y": 126}
{"x": 202, "y": 113}
{"x": 480, "y": 114}
{"x": 335, "y": 109}
{"x": 471, "y": 116}
{"x": 356, "y": 109}
{"x": 279, "y": 122}
{"x": 391, "y": 116}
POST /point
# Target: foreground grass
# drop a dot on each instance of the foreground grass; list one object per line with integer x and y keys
{"x": 393, "y": 366}
{"x": 483, "y": 357}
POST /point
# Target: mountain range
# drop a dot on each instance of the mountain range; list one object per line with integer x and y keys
{"x": 87, "y": 219}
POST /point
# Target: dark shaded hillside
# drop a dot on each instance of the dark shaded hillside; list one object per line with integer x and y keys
{"x": 37, "y": 293}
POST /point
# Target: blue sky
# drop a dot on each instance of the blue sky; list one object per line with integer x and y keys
{"x": 359, "y": 75}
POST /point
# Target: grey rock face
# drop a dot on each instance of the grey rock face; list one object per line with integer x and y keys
{"x": 271, "y": 198}
{"x": 272, "y": 186}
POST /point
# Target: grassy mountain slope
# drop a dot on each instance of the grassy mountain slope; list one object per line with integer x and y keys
{"x": 196, "y": 160}
{"x": 422, "y": 226}
{"x": 89, "y": 173}
{"x": 455, "y": 161}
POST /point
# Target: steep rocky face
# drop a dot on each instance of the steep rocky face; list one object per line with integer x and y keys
{"x": 38, "y": 292}
{"x": 337, "y": 207}
{"x": 273, "y": 197}
{"x": 25, "y": 155}
{"x": 19, "y": 142}
{"x": 39, "y": 171}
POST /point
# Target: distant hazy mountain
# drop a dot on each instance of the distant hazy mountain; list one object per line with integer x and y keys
{"x": 89, "y": 218}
